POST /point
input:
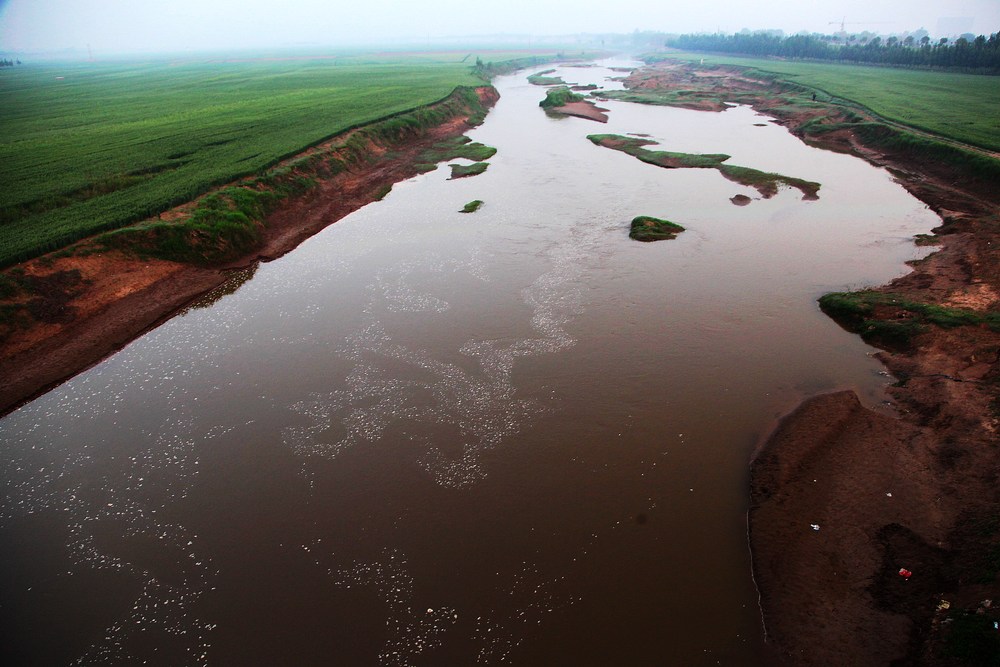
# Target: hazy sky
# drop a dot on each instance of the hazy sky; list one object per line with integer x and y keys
{"x": 111, "y": 26}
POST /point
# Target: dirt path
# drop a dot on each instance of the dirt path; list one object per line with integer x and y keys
{"x": 91, "y": 303}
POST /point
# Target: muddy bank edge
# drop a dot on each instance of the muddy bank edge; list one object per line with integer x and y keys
{"x": 92, "y": 298}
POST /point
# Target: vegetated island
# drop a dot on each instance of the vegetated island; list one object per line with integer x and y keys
{"x": 466, "y": 170}
{"x": 908, "y": 506}
{"x": 562, "y": 101}
{"x": 647, "y": 228}
{"x": 458, "y": 147}
{"x": 764, "y": 182}
{"x": 542, "y": 78}
{"x": 68, "y": 309}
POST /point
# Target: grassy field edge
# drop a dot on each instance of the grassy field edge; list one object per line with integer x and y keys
{"x": 960, "y": 100}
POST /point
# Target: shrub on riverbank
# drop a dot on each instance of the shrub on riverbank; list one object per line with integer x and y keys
{"x": 561, "y": 96}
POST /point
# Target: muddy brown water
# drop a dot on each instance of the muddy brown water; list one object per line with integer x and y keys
{"x": 434, "y": 438}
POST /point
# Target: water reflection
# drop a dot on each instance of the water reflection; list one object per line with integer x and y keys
{"x": 234, "y": 280}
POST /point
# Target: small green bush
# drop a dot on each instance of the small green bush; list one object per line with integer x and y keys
{"x": 561, "y": 96}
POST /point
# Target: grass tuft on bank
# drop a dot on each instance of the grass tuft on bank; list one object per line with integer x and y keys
{"x": 891, "y": 321}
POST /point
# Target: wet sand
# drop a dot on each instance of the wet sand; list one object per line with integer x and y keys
{"x": 585, "y": 109}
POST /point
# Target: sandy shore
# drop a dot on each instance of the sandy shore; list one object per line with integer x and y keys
{"x": 584, "y": 109}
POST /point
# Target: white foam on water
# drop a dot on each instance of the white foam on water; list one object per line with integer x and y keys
{"x": 91, "y": 490}
{"x": 483, "y": 405}
{"x": 413, "y": 629}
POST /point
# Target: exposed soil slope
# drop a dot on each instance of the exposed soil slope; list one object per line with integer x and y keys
{"x": 585, "y": 109}
{"x": 85, "y": 303}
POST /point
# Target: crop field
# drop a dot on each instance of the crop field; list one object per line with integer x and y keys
{"x": 955, "y": 105}
{"x": 87, "y": 147}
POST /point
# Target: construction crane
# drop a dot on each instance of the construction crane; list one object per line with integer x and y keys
{"x": 842, "y": 22}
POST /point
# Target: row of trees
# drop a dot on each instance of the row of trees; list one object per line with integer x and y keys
{"x": 8, "y": 63}
{"x": 981, "y": 53}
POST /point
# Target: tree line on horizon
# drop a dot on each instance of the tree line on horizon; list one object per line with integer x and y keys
{"x": 8, "y": 63}
{"x": 980, "y": 54}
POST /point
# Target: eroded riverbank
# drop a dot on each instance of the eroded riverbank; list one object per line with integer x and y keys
{"x": 90, "y": 300}
{"x": 844, "y": 499}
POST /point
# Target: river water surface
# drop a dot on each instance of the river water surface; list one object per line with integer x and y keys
{"x": 433, "y": 438}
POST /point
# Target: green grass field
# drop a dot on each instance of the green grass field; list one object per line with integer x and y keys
{"x": 88, "y": 147}
{"x": 959, "y": 106}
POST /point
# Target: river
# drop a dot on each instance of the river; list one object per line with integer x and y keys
{"x": 434, "y": 438}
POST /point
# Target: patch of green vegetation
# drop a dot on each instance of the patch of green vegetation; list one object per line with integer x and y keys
{"x": 557, "y": 97}
{"x": 540, "y": 79}
{"x": 222, "y": 227}
{"x": 506, "y": 63}
{"x": 670, "y": 98}
{"x": 959, "y": 106}
{"x": 977, "y": 166}
{"x": 973, "y": 639}
{"x": 462, "y": 170}
{"x": 454, "y": 148}
{"x": 228, "y": 224}
{"x": 764, "y": 182}
{"x": 648, "y": 228}
{"x": 634, "y": 146}
{"x": 472, "y": 206}
{"x": 109, "y": 144}
{"x": 892, "y": 321}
